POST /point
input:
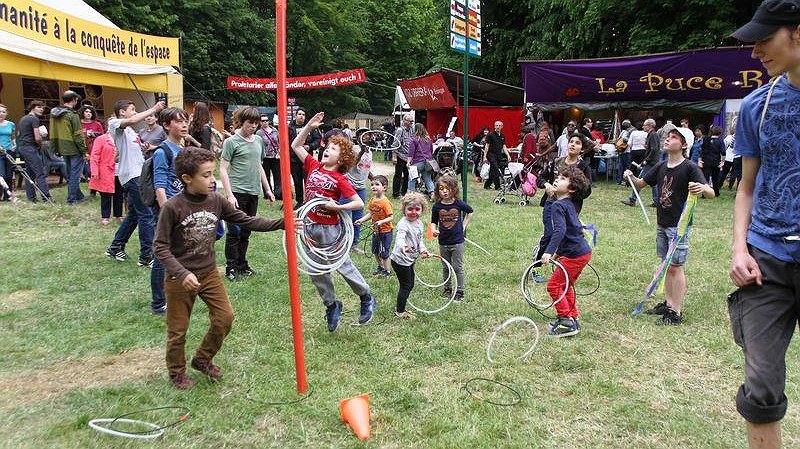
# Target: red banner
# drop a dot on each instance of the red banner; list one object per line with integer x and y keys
{"x": 427, "y": 92}
{"x": 325, "y": 81}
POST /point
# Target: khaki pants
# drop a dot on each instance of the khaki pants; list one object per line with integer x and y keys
{"x": 179, "y": 310}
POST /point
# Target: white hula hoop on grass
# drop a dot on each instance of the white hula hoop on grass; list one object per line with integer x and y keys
{"x": 542, "y": 305}
{"x": 378, "y": 131}
{"x": 324, "y": 258}
{"x": 502, "y": 327}
{"x": 157, "y": 431}
{"x": 450, "y": 274}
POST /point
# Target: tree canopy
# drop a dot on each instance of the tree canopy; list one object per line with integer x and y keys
{"x": 404, "y": 38}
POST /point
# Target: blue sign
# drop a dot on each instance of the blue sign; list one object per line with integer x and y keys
{"x": 474, "y": 47}
{"x": 458, "y": 42}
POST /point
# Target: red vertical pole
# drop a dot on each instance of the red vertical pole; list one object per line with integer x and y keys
{"x": 286, "y": 187}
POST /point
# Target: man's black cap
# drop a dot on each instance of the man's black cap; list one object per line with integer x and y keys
{"x": 770, "y": 16}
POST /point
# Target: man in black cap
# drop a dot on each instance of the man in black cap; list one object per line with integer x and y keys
{"x": 766, "y": 221}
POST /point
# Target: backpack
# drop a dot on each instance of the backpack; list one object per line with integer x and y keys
{"x": 147, "y": 188}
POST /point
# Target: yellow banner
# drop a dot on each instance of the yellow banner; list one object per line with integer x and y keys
{"x": 31, "y": 20}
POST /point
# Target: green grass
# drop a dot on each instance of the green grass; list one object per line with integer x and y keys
{"x": 66, "y": 312}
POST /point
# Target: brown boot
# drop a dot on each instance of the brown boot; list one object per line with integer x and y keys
{"x": 181, "y": 382}
{"x": 207, "y": 368}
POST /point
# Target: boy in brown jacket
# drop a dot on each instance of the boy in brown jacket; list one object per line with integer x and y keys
{"x": 184, "y": 244}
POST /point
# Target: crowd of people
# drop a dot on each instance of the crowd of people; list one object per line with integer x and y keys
{"x": 161, "y": 163}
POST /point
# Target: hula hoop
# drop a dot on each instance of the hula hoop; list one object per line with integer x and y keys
{"x": 502, "y": 327}
{"x": 252, "y": 398}
{"x": 534, "y": 252}
{"x": 147, "y": 434}
{"x": 526, "y": 294}
{"x": 597, "y": 284}
{"x": 154, "y": 432}
{"x": 477, "y": 246}
{"x": 450, "y": 274}
{"x": 517, "y": 395}
{"x": 373, "y": 148}
{"x": 321, "y": 259}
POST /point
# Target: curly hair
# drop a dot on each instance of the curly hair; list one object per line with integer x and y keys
{"x": 578, "y": 184}
{"x": 414, "y": 198}
{"x": 91, "y": 109}
{"x": 188, "y": 160}
{"x": 585, "y": 144}
{"x": 347, "y": 157}
{"x": 448, "y": 181}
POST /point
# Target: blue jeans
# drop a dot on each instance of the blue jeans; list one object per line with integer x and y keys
{"x": 157, "y": 274}
{"x": 664, "y": 237}
{"x": 654, "y": 188}
{"x": 34, "y": 167}
{"x": 7, "y": 173}
{"x": 426, "y": 178}
{"x": 138, "y": 214}
{"x": 356, "y": 214}
{"x": 75, "y": 165}
{"x": 623, "y": 163}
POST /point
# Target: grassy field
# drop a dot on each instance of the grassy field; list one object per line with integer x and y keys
{"x": 78, "y": 342}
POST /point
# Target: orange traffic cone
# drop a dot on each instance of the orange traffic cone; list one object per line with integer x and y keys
{"x": 355, "y": 412}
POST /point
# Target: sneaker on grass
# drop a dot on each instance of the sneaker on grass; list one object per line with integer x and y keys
{"x": 117, "y": 253}
{"x": 231, "y": 274}
{"x": 378, "y": 271}
{"x": 333, "y": 314}
{"x": 161, "y": 311}
{"x": 207, "y": 368}
{"x": 247, "y": 271}
{"x": 181, "y": 382}
{"x": 563, "y": 327}
{"x": 658, "y": 309}
{"x": 447, "y": 292}
{"x": 459, "y": 296}
{"x": 145, "y": 262}
{"x": 538, "y": 278}
{"x": 670, "y": 318}
{"x": 407, "y": 315}
{"x": 368, "y": 306}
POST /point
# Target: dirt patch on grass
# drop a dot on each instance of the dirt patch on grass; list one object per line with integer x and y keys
{"x": 44, "y": 384}
{"x": 16, "y": 301}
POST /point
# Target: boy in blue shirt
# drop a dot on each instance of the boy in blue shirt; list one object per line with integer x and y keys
{"x": 175, "y": 122}
{"x": 564, "y": 235}
{"x": 766, "y": 221}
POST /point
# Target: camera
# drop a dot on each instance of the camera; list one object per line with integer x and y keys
{"x": 161, "y": 97}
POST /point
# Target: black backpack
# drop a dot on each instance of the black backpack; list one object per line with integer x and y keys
{"x": 147, "y": 188}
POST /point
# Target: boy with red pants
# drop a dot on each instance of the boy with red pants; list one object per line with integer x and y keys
{"x": 567, "y": 242}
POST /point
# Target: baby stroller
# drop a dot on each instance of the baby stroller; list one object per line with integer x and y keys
{"x": 518, "y": 180}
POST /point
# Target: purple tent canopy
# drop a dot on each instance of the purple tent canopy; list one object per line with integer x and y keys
{"x": 712, "y": 74}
